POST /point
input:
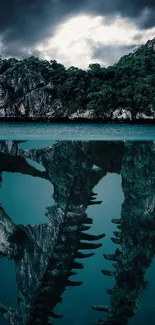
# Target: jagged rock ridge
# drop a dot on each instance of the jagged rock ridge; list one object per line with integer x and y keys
{"x": 32, "y": 89}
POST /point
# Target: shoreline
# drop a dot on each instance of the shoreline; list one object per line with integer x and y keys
{"x": 78, "y": 120}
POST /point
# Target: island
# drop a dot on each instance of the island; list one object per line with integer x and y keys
{"x": 34, "y": 89}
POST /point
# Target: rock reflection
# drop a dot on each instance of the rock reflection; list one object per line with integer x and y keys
{"x": 46, "y": 255}
{"x": 134, "y": 235}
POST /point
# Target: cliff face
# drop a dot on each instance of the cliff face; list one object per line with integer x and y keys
{"x": 22, "y": 94}
{"x": 32, "y": 89}
{"x": 135, "y": 234}
{"x": 7, "y": 228}
{"x": 41, "y": 274}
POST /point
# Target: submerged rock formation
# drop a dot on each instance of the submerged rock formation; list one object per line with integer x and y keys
{"x": 46, "y": 254}
{"x": 135, "y": 235}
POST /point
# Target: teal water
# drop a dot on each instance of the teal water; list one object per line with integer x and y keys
{"x": 8, "y": 292}
{"x": 76, "y": 131}
{"x": 36, "y": 144}
{"x": 25, "y": 198}
{"x": 122, "y": 175}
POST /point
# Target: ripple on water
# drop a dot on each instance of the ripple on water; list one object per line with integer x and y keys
{"x": 75, "y": 131}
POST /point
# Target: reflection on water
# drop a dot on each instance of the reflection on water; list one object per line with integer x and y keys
{"x": 82, "y": 251}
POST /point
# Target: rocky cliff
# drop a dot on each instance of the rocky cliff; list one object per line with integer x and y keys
{"x": 134, "y": 235}
{"x": 41, "y": 274}
{"x": 32, "y": 89}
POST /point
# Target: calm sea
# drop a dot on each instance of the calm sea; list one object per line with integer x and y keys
{"x": 75, "y": 131}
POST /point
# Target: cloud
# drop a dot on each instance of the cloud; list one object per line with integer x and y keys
{"x": 25, "y": 25}
{"x": 87, "y": 39}
{"x": 132, "y": 9}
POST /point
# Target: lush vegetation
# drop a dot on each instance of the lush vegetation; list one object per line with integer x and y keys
{"x": 129, "y": 84}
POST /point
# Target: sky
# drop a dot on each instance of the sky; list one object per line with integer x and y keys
{"x": 75, "y": 32}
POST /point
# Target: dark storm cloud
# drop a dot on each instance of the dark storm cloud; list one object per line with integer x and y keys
{"x": 25, "y": 22}
{"x": 130, "y": 8}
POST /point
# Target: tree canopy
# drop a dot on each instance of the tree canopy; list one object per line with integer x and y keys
{"x": 128, "y": 84}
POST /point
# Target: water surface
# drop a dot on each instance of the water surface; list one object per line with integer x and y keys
{"x": 75, "y": 131}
